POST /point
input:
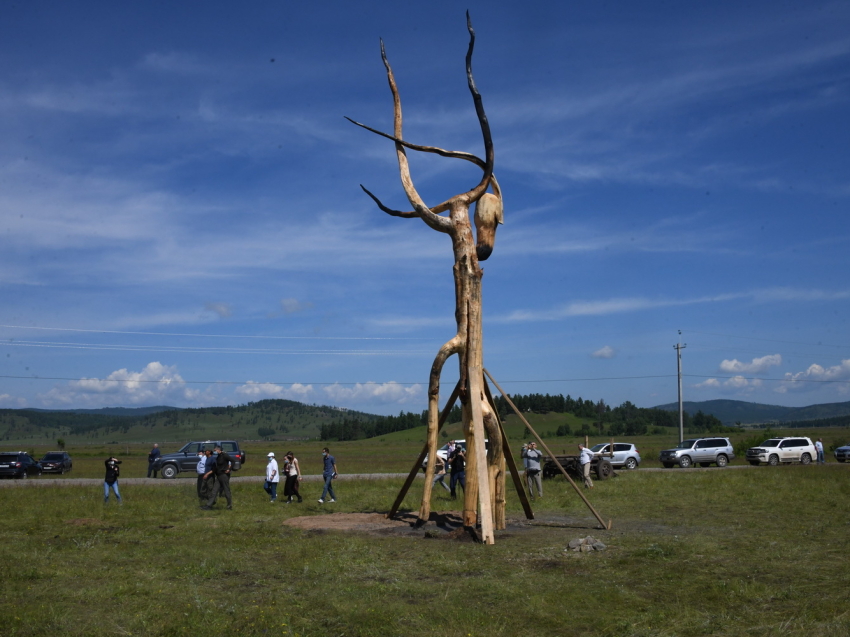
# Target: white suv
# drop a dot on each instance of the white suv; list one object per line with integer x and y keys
{"x": 786, "y": 450}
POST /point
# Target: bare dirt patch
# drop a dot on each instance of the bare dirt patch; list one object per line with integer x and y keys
{"x": 378, "y": 523}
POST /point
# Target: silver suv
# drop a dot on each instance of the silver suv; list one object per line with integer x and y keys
{"x": 776, "y": 450}
{"x": 704, "y": 451}
{"x": 625, "y": 454}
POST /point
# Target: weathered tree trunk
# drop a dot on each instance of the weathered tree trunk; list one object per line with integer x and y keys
{"x": 485, "y": 472}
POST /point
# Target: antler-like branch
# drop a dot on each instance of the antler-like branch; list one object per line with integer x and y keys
{"x": 433, "y": 220}
{"x": 489, "y": 153}
{"x": 456, "y": 154}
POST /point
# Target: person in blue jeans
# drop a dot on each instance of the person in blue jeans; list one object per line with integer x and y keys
{"x": 111, "y": 479}
{"x": 328, "y": 473}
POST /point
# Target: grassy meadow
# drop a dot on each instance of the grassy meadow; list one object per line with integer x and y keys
{"x": 758, "y": 551}
{"x": 392, "y": 453}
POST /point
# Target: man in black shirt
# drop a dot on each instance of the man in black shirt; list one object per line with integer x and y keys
{"x": 221, "y": 469}
{"x": 458, "y": 465}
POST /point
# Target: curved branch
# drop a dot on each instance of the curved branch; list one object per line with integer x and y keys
{"x": 389, "y": 211}
{"x": 455, "y": 154}
{"x": 481, "y": 188}
{"x": 433, "y": 220}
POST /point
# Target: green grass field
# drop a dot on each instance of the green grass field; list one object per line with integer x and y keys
{"x": 757, "y": 551}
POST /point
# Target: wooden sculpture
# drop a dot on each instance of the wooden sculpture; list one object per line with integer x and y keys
{"x": 485, "y": 470}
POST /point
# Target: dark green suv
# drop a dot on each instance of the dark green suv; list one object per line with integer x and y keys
{"x": 170, "y": 465}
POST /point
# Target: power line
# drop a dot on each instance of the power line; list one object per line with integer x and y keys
{"x": 252, "y": 382}
{"x": 769, "y": 340}
{"x": 209, "y": 350}
{"x": 255, "y": 336}
{"x": 419, "y": 382}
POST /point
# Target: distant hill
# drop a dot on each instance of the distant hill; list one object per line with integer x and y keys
{"x": 732, "y": 411}
{"x": 265, "y": 419}
{"x": 111, "y": 411}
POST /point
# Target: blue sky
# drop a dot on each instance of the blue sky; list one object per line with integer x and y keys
{"x": 181, "y": 220}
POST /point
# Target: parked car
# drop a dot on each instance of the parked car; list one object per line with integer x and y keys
{"x": 842, "y": 454}
{"x": 704, "y": 451}
{"x": 625, "y": 454}
{"x": 56, "y": 462}
{"x": 783, "y": 450}
{"x": 18, "y": 464}
{"x": 170, "y": 465}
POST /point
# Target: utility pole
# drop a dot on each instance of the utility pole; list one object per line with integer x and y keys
{"x": 679, "y": 347}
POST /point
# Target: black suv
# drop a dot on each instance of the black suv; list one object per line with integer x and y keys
{"x": 170, "y": 464}
{"x": 56, "y": 462}
{"x": 18, "y": 464}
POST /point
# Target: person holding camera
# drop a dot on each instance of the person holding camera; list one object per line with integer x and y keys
{"x": 111, "y": 479}
{"x": 457, "y": 462}
{"x": 531, "y": 458}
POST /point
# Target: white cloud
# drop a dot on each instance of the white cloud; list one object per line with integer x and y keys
{"x": 758, "y": 365}
{"x": 734, "y": 385}
{"x": 291, "y": 306}
{"x": 811, "y": 378}
{"x": 604, "y": 352}
{"x": 222, "y": 309}
{"x": 391, "y": 392}
{"x": 256, "y": 390}
{"x": 156, "y": 384}
{"x": 12, "y": 402}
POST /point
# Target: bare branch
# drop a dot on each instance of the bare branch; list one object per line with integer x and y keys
{"x": 389, "y": 211}
{"x": 489, "y": 153}
{"x": 433, "y": 220}
{"x": 455, "y": 154}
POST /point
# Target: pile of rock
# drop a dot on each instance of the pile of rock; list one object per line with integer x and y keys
{"x": 585, "y": 545}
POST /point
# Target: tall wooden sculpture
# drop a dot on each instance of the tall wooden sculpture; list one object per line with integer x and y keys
{"x": 485, "y": 470}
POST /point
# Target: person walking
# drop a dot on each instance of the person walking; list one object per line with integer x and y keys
{"x": 585, "y": 459}
{"x": 457, "y": 463}
{"x": 272, "y": 477}
{"x": 209, "y": 487}
{"x": 819, "y": 449}
{"x": 221, "y": 469}
{"x": 293, "y": 478}
{"x": 153, "y": 456}
{"x": 531, "y": 457}
{"x": 440, "y": 473}
{"x": 201, "y": 469}
{"x": 110, "y": 481}
{"x": 328, "y": 473}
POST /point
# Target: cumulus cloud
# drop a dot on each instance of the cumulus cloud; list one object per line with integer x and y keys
{"x": 12, "y": 401}
{"x": 758, "y": 365}
{"x": 808, "y": 380}
{"x": 222, "y": 309}
{"x": 391, "y": 392}
{"x": 736, "y": 384}
{"x": 155, "y": 384}
{"x": 291, "y": 306}
{"x": 256, "y": 390}
{"x": 604, "y": 352}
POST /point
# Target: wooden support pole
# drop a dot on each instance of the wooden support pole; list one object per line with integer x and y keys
{"x": 551, "y": 455}
{"x": 509, "y": 458}
{"x": 476, "y": 393}
{"x": 418, "y": 465}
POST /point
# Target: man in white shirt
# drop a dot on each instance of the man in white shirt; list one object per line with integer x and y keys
{"x": 584, "y": 459}
{"x": 272, "y": 478}
{"x": 819, "y": 449}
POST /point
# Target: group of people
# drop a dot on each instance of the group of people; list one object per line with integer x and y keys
{"x": 214, "y": 477}
{"x": 292, "y": 474}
